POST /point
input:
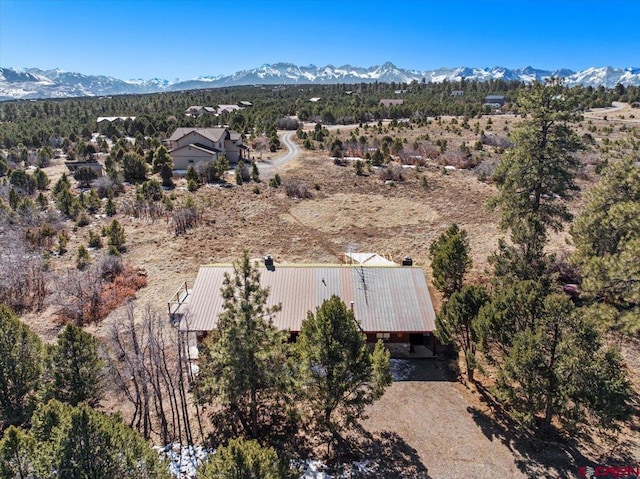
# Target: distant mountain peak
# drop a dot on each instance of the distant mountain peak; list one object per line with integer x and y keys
{"x": 16, "y": 83}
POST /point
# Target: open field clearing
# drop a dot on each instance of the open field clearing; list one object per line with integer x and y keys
{"x": 431, "y": 425}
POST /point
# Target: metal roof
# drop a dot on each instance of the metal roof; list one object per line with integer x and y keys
{"x": 385, "y": 299}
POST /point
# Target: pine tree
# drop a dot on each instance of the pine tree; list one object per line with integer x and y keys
{"x": 134, "y": 168}
{"x": 242, "y": 459}
{"x": 82, "y": 443}
{"x": 456, "y": 322}
{"x": 245, "y": 359}
{"x": 559, "y": 368}
{"x": 607, "y": 239}
{"x": 161, "y": 158}
{"x": 537, "y": 175}
{"x": 338, "y": 376}
{"x": 450, "y": 260}
{"x": 115, "y": 235}
{"x": 20, "y": 367}
{"x": 82, "y": 258}
{"x": 110, "y": 207}
{"x": 17, "y": 454}
{"x": 74, "y": 368}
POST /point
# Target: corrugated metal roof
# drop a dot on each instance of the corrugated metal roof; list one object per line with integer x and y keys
{"x": 386, "y": 299}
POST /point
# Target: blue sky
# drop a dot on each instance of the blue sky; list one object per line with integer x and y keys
{"x": 184, "y": 39}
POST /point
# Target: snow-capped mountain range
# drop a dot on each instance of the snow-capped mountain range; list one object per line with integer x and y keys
{"x": 17, "y": 83}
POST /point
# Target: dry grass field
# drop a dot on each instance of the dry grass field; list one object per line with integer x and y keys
{"x": 428, "y": 426}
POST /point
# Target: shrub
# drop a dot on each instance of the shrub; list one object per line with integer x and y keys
{"x": 391, "y": 173}
{"x": 83, "y": 220}
{"x": 294, "y": 188}
{"x": 192, "y": 185}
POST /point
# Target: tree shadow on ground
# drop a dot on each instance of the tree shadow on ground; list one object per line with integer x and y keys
{"x": 359, "y": 454}
{"x": 431, "y": 369}
{"x": 552, "y": 457}
{"x": 393, "y": 457}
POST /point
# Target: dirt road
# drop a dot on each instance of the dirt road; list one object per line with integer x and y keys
{"x": 271, "y": 167}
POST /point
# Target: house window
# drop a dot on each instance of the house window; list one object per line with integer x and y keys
{"x": 383, "y": 335}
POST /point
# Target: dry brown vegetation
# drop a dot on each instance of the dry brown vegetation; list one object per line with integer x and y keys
{"x": 434, "y": 425}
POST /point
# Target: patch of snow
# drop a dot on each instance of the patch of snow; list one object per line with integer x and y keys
{"x": 183, "y": 460}
{"x": 311, "y": 469}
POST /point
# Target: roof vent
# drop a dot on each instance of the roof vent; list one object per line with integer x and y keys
{"x": 407, "y": 261}
{"x": 268, "y": 261}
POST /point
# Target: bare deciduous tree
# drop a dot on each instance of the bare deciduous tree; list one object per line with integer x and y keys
{"x": 150, "y": 368}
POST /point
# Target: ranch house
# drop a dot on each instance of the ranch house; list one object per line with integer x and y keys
{"x": 389, "y": 302}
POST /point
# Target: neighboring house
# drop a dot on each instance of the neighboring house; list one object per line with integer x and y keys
{"x": 111, "y": 119}
{"x": 493, "y": 100}
{"x": 228, "y": 108}
{"x": 197, "y": 110}
{"x": 195, "y": 146}
{"x": 391, "y": 102}
{"x": 457, "y": 92}
{"x": 74, "y": 166}
{"x": 245, "y": 104}
{"x": 390, "y": 302}
{"x": 315, "y": 99}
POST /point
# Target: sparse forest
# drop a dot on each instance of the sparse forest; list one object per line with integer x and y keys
{"x": 525, "y": 220}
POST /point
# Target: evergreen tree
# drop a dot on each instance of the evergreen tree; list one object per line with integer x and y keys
{"x": 17, "y": 455}
{"x": 115, "y": 235}
{"x": 84, "y": 176}
{"x": 82, "y": 443}
{"x": 23, "y": 182}
{"x": 450, "y": 260}
{"x": 20, "y": 367}
{"x": 559, "y": 368}
{"x": 151, "y": 190}
{"x": 242, "y": 459}
{"x": 607, "y": 239}
{"x": 134, "y": 168}
{"x": 42, "y": 180}
{"x": 110, "y": 207}
{"x": 82, "y": 258}
{"x": 339, "y": 377}
{"x": 537, "y": 175}
{"x": 166, "y": 173}
{"x": 192, "y": 175}
{"x": 244, "y": 363}
{"x": 62, "y": 184}
{"x": 74, "y": 368}
{"x": 161, "y": 158}
{"x": 456, "y": 322}
{"x": 222, "y": 165}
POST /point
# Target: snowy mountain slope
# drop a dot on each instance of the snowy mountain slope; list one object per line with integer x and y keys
{"x": 16, "y": 83}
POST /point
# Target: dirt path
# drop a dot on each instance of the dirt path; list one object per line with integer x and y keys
{"x": 270, "y": 168}
{"x": 432, "y": 417}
